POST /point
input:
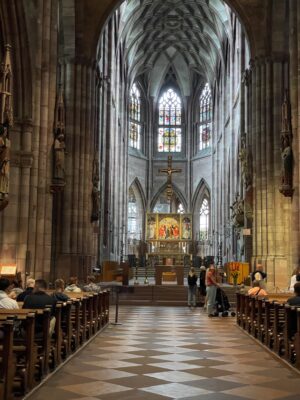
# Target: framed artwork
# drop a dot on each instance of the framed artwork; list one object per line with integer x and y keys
{"x": 186, "y": 227}
{"x": 151, "y": 227}
{"x": 168, "y": 227}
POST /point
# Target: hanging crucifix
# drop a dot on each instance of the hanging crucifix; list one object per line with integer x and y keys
{"x": 169, "y": 171}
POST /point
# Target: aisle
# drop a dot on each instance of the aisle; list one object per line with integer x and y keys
{"x": 166, "y": 353}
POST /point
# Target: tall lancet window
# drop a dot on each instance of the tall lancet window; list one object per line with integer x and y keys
{"x": 169, "y": 129}
{"x": 135, "y": 127}
{"x": 204, "y": 220}
{"x": 205, "y": 118}
{"x": 132, "y": 215}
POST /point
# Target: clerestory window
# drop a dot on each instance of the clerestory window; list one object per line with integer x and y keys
{"x": 169, "y": 124}
{"x": 205, "y": 118}
{"x": 135, "y": 126}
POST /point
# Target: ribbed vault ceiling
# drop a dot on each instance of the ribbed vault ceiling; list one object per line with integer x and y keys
{"x": 185, "y": 34}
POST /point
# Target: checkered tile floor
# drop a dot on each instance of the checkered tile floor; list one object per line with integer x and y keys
{"x": 172, "y": 353}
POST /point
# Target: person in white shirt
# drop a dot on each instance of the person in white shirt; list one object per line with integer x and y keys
{"x": 5, "y": 300}
{"x": 294, "y": 278}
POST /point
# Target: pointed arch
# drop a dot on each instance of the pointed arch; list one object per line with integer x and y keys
{"x": 201, "y": 190}
{"x": 136, "y": 182}
{"x": 202, "y": 203}
{"x": 136, "y": 211}
{"x": 176, "y": 191}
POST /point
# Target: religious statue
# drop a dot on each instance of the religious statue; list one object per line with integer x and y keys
{"x": 95, "y": 191}
{"x": 95, "y": 204}
{"x": 169, "y": 171}
{"x": 4, "y": 161}
{"x": 59, "y": 144}
{"x": 237, "y": 208}
{"x": 59, "y": 156}
{"x": 6, "y": 121}
{"x": 286, "y": 187}
{"x": 246, "y": 162}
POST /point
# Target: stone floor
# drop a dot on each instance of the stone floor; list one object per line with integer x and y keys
{"x": 172, "y": 353}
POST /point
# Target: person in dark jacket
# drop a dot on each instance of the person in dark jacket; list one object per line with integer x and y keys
{"x": 295, "y": 300}
{"x": 40, "y": 299}
{"x": 29, "y": 289}
{"x": 192, "y": 282}
{"x": 58, "y": 294}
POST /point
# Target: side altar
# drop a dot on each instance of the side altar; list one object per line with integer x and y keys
{"x": 168, "y": 237}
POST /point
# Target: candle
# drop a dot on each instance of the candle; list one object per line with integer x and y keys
{"x": 191, "y": 257}
{"x": 146, "y": 256}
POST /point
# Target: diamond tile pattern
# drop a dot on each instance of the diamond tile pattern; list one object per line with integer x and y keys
{"x": 172, "y": 353}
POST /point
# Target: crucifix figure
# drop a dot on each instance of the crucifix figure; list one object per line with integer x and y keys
{"x": 169, "y": 171}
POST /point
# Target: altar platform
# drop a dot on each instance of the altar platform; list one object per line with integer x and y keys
{"x": 168, "y": 294}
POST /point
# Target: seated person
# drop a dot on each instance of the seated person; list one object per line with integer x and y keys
{"x": 91, "y": 285}
{"x": 58, "y": 294}
{"x": 295, "y": 300}
{"x": 294, "y": 278}
{"x": 16, "y": 289}
{"x": 72, "y": 286}
{"x": 29, "y": 289}
{"x": 40, "y": 299}
{"x": 258, "y": 274}
{"x": 256, "y": 290}
{"x": 5, "y": 300}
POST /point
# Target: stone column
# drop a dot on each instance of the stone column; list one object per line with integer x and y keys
{"x": 75, "y": 254}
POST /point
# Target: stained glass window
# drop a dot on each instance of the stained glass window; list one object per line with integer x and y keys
{"x": 135, "y": 118}
{"x": 169, "y": 130}
{"x": 132, "y": 215}
{"x": 204, "y": 220}
{"x": 205, "y": 118}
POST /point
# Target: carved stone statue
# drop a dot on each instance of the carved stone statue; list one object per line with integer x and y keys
{"x": 287, "y": 165}
{"x": 4, "y": 162}
{"x": 95, "y": 204}
{"x": 237, "y": 208}
{"x": 246, "y": 162}
{"x": 59, "y": 156}
{"x": 95, "y": 191}
{"x": 286, "y": 187}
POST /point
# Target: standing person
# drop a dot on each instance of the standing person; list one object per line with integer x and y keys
{"x": 211, "y": 289}
{"x": 192, "y": 282}
{"x": 202, "y": 286}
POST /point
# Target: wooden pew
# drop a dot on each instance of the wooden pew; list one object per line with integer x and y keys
{"x": 76, "y": 320}
{"x": 297, "y": 341}
{"x": 7, "y": 367}
{"x": 43, "y": 339}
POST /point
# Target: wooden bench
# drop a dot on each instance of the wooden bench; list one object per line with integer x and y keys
{"x": 26, "y": 355}
{"x": 274, "y": 323}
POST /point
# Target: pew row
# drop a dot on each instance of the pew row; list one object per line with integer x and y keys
{"x": 29, "y": 350}
{"x": 273, "y": 322}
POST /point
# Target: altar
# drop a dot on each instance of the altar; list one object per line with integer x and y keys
{"x": 160, "y": 270}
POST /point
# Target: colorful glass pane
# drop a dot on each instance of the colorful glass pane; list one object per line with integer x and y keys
{"x": 169, "y": 118}
{"x": 205, "y": 118}
{"x": 135, "y": 118}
